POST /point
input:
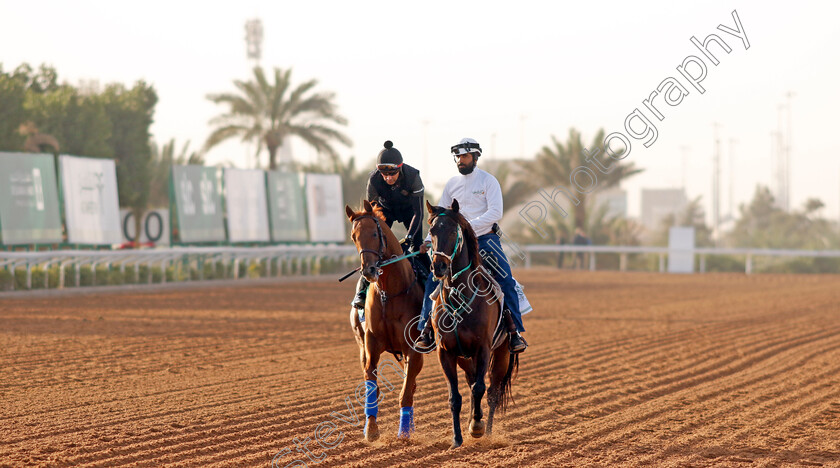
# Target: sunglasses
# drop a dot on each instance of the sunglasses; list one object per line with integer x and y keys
{"x": 389, "y": 169}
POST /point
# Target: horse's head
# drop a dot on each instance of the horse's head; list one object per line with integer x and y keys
{"x": 368, "y": 237}
{"x": 447, "y": 237}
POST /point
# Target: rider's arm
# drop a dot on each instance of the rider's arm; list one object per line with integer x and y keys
{"x": 372, "y": 196}
{"x": 415, "y": 228}
{"x": 495, "y": 207}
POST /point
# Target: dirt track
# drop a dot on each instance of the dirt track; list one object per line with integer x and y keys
{"x": 623, "y": 369}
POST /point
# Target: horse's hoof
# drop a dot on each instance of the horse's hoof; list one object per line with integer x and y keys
{"x": 455, "y": 444}
{"x": 477, "y": 429}
{"x": 371, "y": 431}
{"x": 372, "y": 436}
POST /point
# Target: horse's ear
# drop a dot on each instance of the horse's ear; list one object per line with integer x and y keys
{"x": 349, "y": 211}
{"x": 368, "y": 207}
{"x": 430, "y": 208}
{"x": 455, "y": 205}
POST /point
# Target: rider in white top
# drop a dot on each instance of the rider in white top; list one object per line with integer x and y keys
{"x": 479, "y": 197}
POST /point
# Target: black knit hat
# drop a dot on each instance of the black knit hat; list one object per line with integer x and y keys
{"x": 389, "y": 155}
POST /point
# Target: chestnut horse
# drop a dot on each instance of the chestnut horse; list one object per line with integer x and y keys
{"x": 393, "y": 300}
{"x": 467, "y": 321}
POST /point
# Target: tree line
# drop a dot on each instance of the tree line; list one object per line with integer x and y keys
{"x": 39, "y": 114}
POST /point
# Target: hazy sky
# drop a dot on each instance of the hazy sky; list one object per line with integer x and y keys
{"x": 520, "y": 72}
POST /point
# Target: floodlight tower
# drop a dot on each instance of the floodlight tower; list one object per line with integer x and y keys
{"x": 732, "y": 143}
{"x": 788, "y": 145}
{"x": 716, "y": 186}
{"x": 782, "y": 163}
{"x": 253, "y": 51}
{"x": 253, "y": 40}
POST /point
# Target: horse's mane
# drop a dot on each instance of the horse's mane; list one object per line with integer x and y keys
{"x": 377, "y": 211}
{"x": 390, "y": 238}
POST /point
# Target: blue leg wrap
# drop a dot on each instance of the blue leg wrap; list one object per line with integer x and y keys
{"x": 371, "y": 400}
{"x": 406, "y": 421}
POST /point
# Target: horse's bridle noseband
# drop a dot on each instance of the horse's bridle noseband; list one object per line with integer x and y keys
{"x": 384, "y": 296}
{"x": 381, "y": 253}
{"x": 458, "y": 244}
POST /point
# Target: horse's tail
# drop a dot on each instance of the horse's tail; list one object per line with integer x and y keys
{"x": 507, "y": 381}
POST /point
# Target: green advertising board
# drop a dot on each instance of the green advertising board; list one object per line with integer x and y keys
{"x": 286, "y": 207}
{"x": 198, "y": 204}
{"x": 29, "y": 210}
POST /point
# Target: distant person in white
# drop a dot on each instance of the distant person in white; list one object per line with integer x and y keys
{"x": 479, "y": 196}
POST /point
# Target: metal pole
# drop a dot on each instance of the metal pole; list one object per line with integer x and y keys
{"x": 788, "y": 147}
{"x": 716, "y": 186}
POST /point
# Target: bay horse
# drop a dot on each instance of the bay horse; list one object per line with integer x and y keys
{"x": 469, "y": 329}
{"x": 393, "y": 301}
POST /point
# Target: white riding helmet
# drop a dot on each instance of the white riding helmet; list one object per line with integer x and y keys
{"x": 466, "y": 145}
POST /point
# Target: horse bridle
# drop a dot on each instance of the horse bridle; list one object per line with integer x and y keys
{"x": 458, "y": 244}
{"x": 381, "y": 252}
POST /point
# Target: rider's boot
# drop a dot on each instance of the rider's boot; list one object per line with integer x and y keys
{"x": 427, "y": 336}
{"x": 517, "y": 343}
{"x": 361, "y": 293}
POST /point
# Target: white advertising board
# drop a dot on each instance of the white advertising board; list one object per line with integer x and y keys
{"x": 681, "y": 238}
{"x": 325, "y": 208}
{"x": 246, "y": 205}
{"x": 91, "y": 202}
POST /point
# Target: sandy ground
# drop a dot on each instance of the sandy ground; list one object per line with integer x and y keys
{"x": 623, "y": 370}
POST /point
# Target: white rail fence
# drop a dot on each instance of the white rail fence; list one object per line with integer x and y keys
{"x": 663, "y": 252}
{"x": 297, "y": 260}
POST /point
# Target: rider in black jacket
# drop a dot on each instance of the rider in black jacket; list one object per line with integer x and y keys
{"x": 398, "y": 189}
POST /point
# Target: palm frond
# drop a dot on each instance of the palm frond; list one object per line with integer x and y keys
{"x": 267, "y": 113}
{"x": 223, "y": 133}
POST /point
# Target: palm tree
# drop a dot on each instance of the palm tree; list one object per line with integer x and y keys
{"x": 601, "y": 228}
{"x": 267, "y": 113}
{"x": 553, "y": 166}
